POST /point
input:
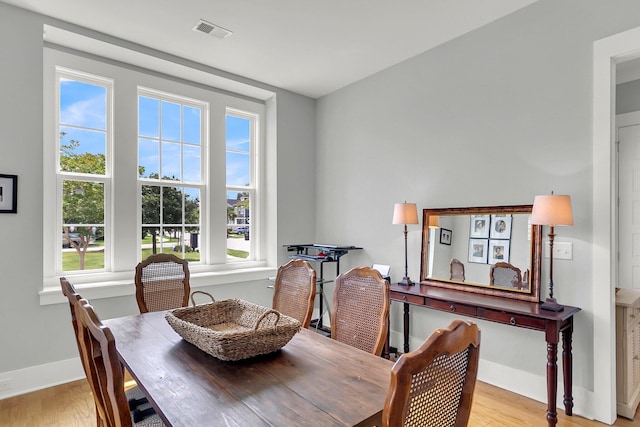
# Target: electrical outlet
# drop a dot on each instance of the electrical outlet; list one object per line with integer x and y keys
{"x": 5, "y": 385}
{"x": 561, "y": 250}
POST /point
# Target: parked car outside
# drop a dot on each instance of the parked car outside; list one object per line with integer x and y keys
{"x": 75, "y": 237}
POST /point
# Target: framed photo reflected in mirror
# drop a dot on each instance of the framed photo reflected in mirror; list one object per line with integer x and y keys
{"x": 478, "y": 250}
{"x": 445, "y": 236}
{"x": 479, "y": 226}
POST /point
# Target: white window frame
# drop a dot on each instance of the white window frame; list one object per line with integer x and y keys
{"x": 61, "y": 176}
{"x": 252, "y": 188}
{"x": 204, "y": 175}
{"x": 124, "y": 252}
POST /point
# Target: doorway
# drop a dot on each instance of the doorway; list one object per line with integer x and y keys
{"x": 628, "y": 185}
{"x": 607, "y": 53}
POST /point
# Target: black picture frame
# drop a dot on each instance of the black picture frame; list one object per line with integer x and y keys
{"x": 478, "y": 250}
{"x": 445, "y": 236}
{"x": 479, "y": 226}
{"x": 500, "y": 226}
{"x": 8, "y": 193}
{"x": 499, "y": 251}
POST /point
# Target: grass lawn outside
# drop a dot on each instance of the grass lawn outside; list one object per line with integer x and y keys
{"x": 94, "y": 260}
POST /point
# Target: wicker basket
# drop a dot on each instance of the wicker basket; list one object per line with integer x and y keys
{"x": 233, "y": 329}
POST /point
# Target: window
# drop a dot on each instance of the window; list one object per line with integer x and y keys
{"x": 170, "y": 158}
{"x": 240, "y": 135}
{"x": 141, "y": 163}
{"x": 83, "y": 168}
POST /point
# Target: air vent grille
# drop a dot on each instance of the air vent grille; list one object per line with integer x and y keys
{"x": 211, "y": 29}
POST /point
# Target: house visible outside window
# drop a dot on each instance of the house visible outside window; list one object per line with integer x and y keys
{"x": 170, "y": 155}
{"x": 240, "y": 142}
{"x": 84, "y": 135}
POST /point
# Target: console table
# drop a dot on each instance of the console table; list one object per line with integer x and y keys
{"x": 517, "y": 313}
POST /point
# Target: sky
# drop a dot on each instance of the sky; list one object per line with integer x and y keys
{"x": 161, "y": 141}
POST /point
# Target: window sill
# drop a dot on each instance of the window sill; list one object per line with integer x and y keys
{"x": 110, "y": 285}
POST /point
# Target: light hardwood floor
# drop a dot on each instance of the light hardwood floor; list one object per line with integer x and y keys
{"x": 71, "y": 405}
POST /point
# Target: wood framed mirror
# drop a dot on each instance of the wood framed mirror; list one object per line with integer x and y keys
{"x": 493, "y": 250}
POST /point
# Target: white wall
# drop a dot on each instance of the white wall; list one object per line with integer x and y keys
{"x": 33, "y": 336}
{"x": 491, "y": 118}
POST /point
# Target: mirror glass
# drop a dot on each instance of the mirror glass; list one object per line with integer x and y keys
{"x": 490, "y": 250}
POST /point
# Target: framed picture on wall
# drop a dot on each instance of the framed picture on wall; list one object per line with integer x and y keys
{"x": 8, "y": 193}
{"x": 478, "y": 250}
{"x": 500, "y": 227}
{"x": 498, "y": 251}
{"x": 479, "y": 226}
{"x": 445, "y": 236}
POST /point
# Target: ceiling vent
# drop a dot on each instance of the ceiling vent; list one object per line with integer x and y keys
{"x": 211, "y": 29}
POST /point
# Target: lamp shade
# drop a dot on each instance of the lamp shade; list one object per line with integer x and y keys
{"x": 554, "y": 209}
{"x": 434, "y": 221}
{"x": 405, "y": 213}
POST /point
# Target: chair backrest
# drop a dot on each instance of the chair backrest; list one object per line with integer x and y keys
{"x": 295, "y": 290}
{"x": 456, "y": 269}
{"x": 505, "y": 275}
{"x": 433, "y": 385}
{"x": 102, "y": 366}
{"x": 162, "y": 283}
{"x": 70, "y": 292}
{"x": 360, "y": 313}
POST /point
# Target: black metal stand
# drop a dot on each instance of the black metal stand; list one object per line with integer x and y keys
{"x": 321, "y": 254}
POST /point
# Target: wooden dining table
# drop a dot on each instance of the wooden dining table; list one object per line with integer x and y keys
{"x": 313, "y": 380}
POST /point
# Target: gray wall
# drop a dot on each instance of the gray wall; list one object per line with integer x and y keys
{"x": 628, "y": 97}
{"x": 32, "y": 334}
{"x": 491, "y": 118}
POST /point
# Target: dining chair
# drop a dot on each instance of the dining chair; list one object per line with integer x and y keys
{"x": 433, "y": 385}
{"x": 525, "y": 278}
{"x": 137, "y": 401}
{"x": 162, "y": 283}
{"x": 295, "y": 290}
{"x": 361, "y": 309}
{"x": 104, "y": 372}
{"x": 456, "y": 270}
{"x": 505, "y": 275}
{"x": 69, "y": 291}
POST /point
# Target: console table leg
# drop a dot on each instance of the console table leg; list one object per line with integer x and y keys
{"x": 406, "y": 327}
{"x": 567, "y": 369}
{"x": 385, "y": 349}
{"x": 552, "y": 383}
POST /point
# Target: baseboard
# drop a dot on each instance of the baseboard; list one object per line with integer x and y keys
{"x": 520, "y": 382}
{"x": 535, "y": 386}
{"x": 21, "y": 381}
{"x": 628, "y": 409}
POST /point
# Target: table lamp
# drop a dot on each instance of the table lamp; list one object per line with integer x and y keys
{"x": 551, "y": 210}
{"x": 405, "y": 213}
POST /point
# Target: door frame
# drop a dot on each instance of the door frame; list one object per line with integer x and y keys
{"x": 607, "y": 53}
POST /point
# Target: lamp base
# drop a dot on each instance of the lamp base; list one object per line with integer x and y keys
{"x": 551, "y": 305}
{"x": 406, "y": 282}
